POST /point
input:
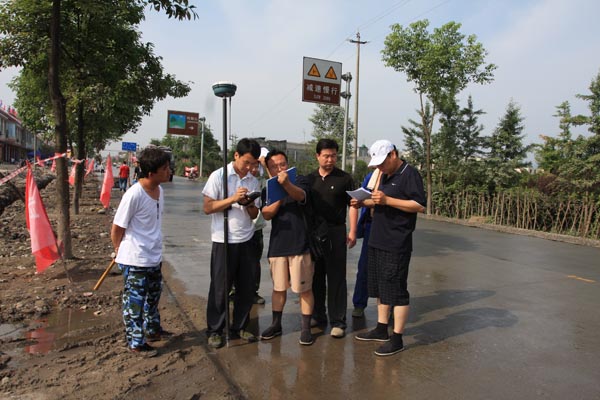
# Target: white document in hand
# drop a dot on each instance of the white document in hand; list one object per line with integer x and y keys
{"x": 359, "y": 194}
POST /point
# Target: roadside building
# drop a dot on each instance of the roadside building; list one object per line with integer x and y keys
{"x": 15, "y": 140}
{"x": 296, "y": 152}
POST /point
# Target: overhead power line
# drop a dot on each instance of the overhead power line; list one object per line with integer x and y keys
{"x": 390, "y": 10}
{"x": 383, "y": 14}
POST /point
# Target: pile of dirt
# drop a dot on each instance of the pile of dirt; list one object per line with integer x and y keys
{"x": 61, "y": 340}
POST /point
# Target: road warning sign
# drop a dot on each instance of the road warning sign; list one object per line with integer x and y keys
{"x": 331, "y": 74}
{"x": 317, "y": 88}
{"x": 314, "y": 71}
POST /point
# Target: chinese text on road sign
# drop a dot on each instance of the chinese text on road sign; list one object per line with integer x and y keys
{"x": 321, "y": 81}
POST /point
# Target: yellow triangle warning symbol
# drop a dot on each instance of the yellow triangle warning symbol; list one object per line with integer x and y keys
{"x": 314, "y": 71}
{"x": 331, "y": 74}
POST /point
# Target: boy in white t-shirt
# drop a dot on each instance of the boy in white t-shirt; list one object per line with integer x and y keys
{"x": 137, "y": 238}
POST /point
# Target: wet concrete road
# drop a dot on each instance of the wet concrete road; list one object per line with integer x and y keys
{"x": 493, "y": 316}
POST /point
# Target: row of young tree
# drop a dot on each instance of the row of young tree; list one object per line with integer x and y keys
{"x": 468, "y": 174}
{"x": 86, "y": 77}
{"x": 490, "y": 176}
{"x": 464, "y": 159}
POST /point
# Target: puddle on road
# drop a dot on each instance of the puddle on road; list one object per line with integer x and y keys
{"x": 58, "y": 330}
{"x": 10, "y": 331}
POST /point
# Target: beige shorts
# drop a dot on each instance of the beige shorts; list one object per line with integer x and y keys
{"x": 292, "y": 271}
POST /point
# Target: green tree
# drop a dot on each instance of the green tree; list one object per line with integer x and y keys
{"x": 584, "y": 168}
{"x": 593, "y": 98}
{"x": 553, "y": 152}
{"x": 111, "y": 79}
{"x": 581, "y": 173}
{"x": 30, "y": 29}
{"x": 573, "y": 165}
{"x": 470, "y": 148}
{"x": 457, "y": 146}
{"x": 445, "y": 147}
{"x": 414, "y": 139}
{"x": 328, "y": 123}
{"x": 178, "y": 9}
{"x": 186, "y": 150}
{"x": 440, "y": 64}
{"x": 306, "y": 161}
{"x": 507, "y": 153}
{"x": 361, "y": 170}
{"x": 470, "y": 141}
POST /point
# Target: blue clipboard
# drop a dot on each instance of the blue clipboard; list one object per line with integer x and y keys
{"x": 275, "y": 191}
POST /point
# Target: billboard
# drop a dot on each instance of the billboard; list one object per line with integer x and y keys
{"x": 182, "y": 123}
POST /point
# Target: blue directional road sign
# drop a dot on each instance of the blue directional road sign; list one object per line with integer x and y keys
{"x": 128, "y": 146}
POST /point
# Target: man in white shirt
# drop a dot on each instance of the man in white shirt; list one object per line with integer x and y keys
{"x": 137, "y": 239}
{"x": 241, "y": 212}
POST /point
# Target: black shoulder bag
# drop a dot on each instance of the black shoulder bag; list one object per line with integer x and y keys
{"x": 317, "y": 232}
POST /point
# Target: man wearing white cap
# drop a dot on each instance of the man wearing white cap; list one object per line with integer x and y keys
{"x": 396, "y": 199}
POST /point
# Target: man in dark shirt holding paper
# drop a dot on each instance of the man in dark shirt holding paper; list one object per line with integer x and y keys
{"x": 396, "y": 199}
{"x": 330, "y": 201}
{"x": 289, "y": 257}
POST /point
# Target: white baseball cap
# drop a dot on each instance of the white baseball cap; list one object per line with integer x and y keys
{"x": 379, "y": 151}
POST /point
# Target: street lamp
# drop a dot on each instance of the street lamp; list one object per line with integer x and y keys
{"x": 347, "y": 77}
{"x": 225, "y": 90}
{"x": 202, "y": 120}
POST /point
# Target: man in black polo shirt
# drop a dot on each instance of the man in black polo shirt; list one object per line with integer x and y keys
{"x": 329, "y": 200}
{"x": 397, "y": 198}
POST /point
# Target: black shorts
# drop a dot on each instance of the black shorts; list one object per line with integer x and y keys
{"x": 387, "y": 276}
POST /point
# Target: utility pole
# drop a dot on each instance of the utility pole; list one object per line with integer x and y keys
{"x": 347, "y": 77}
{"x": 202, "y": 120}
{"x": 358, "y": 43}
{"x": 232, "y": 137}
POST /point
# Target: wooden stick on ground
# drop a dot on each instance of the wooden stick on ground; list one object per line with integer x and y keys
{"x": 104, "y": 275}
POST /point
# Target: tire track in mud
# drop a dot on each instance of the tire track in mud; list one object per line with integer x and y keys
{"x": 235, "y": 390}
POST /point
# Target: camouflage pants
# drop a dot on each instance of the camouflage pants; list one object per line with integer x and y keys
{"x": 141, "y": 294}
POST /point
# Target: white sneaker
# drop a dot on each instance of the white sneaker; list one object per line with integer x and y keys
{"x": 337, "y": 332}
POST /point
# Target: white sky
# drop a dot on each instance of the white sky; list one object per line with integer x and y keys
{"x": 547, "y": 51}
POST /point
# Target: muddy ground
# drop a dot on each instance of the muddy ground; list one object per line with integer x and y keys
{"x": 61, "y": 340}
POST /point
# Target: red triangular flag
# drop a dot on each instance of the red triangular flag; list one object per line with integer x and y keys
{"x": 108, "y": 183}
{"x": 72, "y": 175}
{"x": 43, "y": 241}
{"x": 90, "y": 167}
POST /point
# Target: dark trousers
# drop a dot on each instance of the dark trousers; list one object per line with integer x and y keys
{"x": 329, "y": 281}
{"x": 240, "y": 273}
{"x": 361, "y": 293}
{"x": 258, "y": 241}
